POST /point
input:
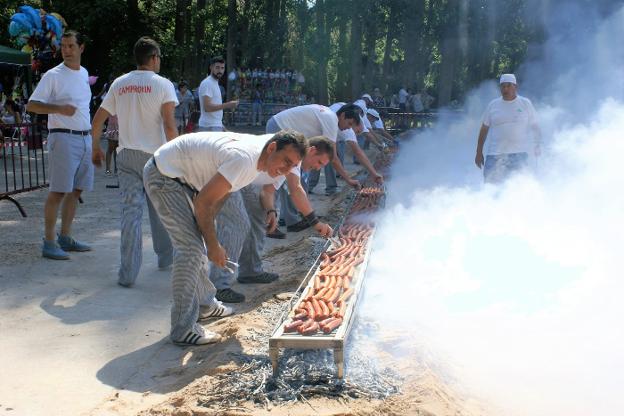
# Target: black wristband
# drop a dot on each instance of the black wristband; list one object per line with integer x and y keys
{"x": 311, "y": 219}
{"x": 272, "y": 210}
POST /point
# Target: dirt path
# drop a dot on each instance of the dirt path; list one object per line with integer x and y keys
{"x": 75, "y": 343}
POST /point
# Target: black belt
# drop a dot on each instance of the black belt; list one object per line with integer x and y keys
{"x": 68, "y": 131}
{"x": 178, "y": 180}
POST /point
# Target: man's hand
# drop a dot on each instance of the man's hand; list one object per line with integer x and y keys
{"x": 97, "y": 156}
{"x": 354, "y": 183}
{"x": 217, "y": 255}
{"x": 479, "y": 160}
{"x": 230, "y": 105}
{"x": 271, "y": 221}
{"x": 324, "y": 229}
{"x": 378, "y": 178}
{"x": 67, "y": 110}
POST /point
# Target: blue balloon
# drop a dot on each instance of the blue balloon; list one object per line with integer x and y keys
{"x": 22, "y": 20}
{"x": 33, "y": 16}
{"x": 54, "y": 25}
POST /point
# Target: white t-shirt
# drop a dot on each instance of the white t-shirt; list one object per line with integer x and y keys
{"x": 367, "y": 124}
{"x": 509, "y": 125}
{"x": 264, "y": 179}
{"x": 209, "y": 87}
{"x": 136, "y": 99}
{"x": 347, "y": 135}
{"x": 310, "y": 120}
{"x": 62, "y": 85}
{"x": 403, "y": 96}
{"x": 197, "y": 157}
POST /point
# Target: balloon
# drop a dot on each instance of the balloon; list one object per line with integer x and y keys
{"x": 60, "y": 19}
{"x": 27, "y": 49}
{"x": 92, "y": 79}
{"x": 22, "y": 21}
{"x": 15, "y": 28}
{"x": 54, "y": 25}
{"x": 33, "y": 16}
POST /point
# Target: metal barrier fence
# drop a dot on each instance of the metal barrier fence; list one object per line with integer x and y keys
{"x": 396, "y": 121}
{"x": 243, "y": 113}
{"x": 23, "y": 160}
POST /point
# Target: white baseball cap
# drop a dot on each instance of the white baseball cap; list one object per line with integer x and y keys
{"x": 367, "y": 96}
{"x": 373, "y": 113}
{"x": 508, "y": 78}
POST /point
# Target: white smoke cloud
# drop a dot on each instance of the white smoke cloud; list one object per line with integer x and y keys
{"x": 518, "y": 286}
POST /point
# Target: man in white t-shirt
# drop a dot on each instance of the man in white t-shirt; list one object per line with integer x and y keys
{"x": 247, "y": 216}
{"x": 64, "y": 94}
{"x": 188, "y": 180}
{"x": 211, "y": 104}
{"x": 378, "y": 126}
{"x": 311, "y": 120}
{"x": 508, "y": 124}
{"x": 144, "y": 104}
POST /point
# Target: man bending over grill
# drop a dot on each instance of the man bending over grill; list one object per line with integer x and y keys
{"x": 187, "y": 180}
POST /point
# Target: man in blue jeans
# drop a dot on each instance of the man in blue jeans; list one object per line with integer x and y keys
{"x": 508, "y": 123}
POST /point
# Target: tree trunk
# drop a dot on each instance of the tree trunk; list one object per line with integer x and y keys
{"x": 199, "y": 65}
{"x": 230, "y": 60}
{"x": 448, "y": 49}
{"x": 356, "y": 55}
{"x": 370, "y": 57}
{"x": 388, "y": 47}
{"x": 322, "y": 49}
{"x": 342, "y": 70}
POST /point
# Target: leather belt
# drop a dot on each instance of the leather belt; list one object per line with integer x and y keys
{"x": 68, "y": 131}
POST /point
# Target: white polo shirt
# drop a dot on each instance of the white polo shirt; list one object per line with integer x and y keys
{"x": 197, "y": 157}
{"x": 136, "y": 98}
{"x": 62, "y": 85}
{"x": 209, "y": 87}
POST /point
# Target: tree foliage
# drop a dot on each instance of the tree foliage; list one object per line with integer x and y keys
{"x": 343, "y": 47}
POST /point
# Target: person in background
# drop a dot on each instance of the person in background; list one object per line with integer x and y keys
{"x": 64, "y": 94}
{"x": 210, "y": 98}
{"x": 184, "y": 109}
{"x": 144, "y": 103}
{"x": 510, "y": 125}
{"x": 256, "y": 106}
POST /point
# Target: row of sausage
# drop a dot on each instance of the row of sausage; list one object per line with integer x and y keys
{"x": 324, "y": 302}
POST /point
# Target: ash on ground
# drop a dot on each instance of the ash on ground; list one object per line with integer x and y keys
{"x": 302, "y": 374}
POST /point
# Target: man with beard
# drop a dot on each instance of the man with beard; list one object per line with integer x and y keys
{"x": 210, "y": 101}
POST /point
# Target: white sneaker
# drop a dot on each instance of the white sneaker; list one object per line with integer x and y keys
{"x": 198, "y": 336}
{"x": 216, "y": 310}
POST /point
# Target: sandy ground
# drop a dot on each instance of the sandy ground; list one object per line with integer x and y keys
{"x": 73, "y": 342}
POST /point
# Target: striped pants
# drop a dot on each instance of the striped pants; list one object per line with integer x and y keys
{"x": 131, "y": 163}
{"x": 191, "y": 267}
{"x": 241, "y": 230}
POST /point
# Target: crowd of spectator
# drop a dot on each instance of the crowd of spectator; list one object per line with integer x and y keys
{"x": 268, "y": 85}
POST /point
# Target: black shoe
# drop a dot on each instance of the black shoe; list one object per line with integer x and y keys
{"x": 229, "y": 296}
{"x": 265, "y": 277}
{"x": 281, "y": 222}
{"x": 300, "y": 226}
{"x": 277, "y": 234}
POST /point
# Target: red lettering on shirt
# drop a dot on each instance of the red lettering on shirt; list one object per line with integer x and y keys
{"x": 135, "y": 89}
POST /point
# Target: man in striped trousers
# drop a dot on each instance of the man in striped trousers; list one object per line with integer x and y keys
{"x": 144, "y": 103}
{"x": 188, "y": 180}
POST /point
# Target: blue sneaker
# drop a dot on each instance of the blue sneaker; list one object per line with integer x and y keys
{"x": 52, "y": 250}
{"x": 69, "y": 244}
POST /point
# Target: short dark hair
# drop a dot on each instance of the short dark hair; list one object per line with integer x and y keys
{"x": 322, "y": 145}
{"x": 285, "y": 138}
{"x": 80, "y": 39}
{"x": 216, "y": 59}
{"x": 352, "y": 112}
{"x": 182, "y": 84}
{"x": 144, "y": 49}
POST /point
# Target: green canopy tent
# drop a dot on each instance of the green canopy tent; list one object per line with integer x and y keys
{"x": 14, "y": 61}
{"x": 13, "y": 56}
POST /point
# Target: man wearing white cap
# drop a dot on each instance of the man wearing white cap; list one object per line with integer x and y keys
{"x": 508, "y": 123}
{"x": 378, "y": 126}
